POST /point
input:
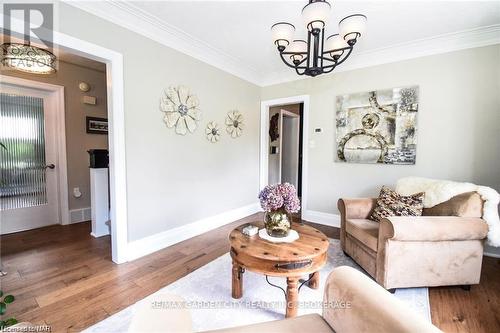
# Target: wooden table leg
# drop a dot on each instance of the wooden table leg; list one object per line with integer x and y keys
{"x": 237, "y": 285}
{"x": 314, "y": 280}
{"x": 292, "y": 295}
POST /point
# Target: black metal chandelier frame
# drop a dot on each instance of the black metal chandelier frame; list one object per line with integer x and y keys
{"x": 316, "y": 60}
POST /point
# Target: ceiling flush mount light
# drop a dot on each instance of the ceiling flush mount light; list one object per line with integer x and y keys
{"x": 318, "y": 54}
{"x": 27, "y": 58}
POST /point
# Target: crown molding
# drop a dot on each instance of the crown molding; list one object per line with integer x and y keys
{"x": 461, "y": 40}
{"x": 129, "y": 16}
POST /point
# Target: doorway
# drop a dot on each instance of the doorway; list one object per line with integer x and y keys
{"x": 34, "y": 141}
{"x": 285, "y": 146}
{"x": 290, "y": 148}
{"x": 116, "y": 132}
{"x": 283, "y": 153}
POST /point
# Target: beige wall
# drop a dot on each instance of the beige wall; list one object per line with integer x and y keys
{"x": 458, "y": 124}
{"x": 77, "y": 140}
{"x": 174, "y": 180}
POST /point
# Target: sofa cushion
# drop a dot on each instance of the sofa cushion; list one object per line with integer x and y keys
{"x": 307, "y": 323}
{"x": 467, "y": 204}
{"x": 391, "y": 203}
{"x": 364, "y": 230}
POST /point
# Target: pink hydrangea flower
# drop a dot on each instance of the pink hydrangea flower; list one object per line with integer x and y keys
{"x": 277, "y": 196}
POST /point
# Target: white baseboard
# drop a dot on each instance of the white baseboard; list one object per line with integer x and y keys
{"x": 493, "y": 255}
{"x": 80, "y": 215}
{"x": 150, "y": 244}
{"x": 97, "y": 236}
{"x": 332, "y": 220}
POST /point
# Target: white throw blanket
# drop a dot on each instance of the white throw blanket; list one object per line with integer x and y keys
{"x": 438, "y": 191}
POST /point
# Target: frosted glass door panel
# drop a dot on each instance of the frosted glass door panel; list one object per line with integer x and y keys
{"x": 22, "y": 152}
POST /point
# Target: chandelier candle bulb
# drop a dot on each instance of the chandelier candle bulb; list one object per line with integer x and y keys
{"x": 319, "y": 55}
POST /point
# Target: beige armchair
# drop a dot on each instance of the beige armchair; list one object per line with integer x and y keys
{"x": 424, "y": 251}
{"x": 357, "y": 304}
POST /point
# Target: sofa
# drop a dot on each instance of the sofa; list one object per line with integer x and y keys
{"x": 358, "y": 305}
{"x": 442, "y": 247}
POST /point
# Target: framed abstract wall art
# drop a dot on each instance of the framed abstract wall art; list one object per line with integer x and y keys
{"x": 378, "y": 126}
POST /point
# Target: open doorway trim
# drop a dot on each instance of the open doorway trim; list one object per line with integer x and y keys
{"x": 264, "y": 141}
{"x": 116, "y": 136}
{"x": 116, "y": 131}
{"x": 58, "y": 104}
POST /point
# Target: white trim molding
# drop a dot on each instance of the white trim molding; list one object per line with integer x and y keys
{"x": 492, "y": 255}
{"x": 332, "y": 220}
{"x": 98, "y": 235}
{"x": 116, "y": 136}
{"x": 130, "y": 16}
{"x": 156, "y": 242}
{"x": 264, "y": 141}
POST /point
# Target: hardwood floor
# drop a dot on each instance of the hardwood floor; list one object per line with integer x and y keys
{"x": 478, "y": 310}
{"x": 63, "y": 277}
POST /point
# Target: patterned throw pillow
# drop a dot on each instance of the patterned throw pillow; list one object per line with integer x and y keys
{"x": 391, "y": 203}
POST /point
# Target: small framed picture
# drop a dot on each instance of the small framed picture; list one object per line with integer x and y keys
{"x": 97, "y": 125}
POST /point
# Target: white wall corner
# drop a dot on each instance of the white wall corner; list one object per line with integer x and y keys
{"x": 153, "y": 243}
{"x": 332, "y": 220}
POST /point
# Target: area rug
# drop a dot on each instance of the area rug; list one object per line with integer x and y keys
{"x": 260, "y": 302}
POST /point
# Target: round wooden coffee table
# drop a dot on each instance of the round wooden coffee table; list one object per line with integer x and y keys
{"x": 307, "y": 255}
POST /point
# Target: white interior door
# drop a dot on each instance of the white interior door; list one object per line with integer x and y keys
{"x": 28, "y": 189}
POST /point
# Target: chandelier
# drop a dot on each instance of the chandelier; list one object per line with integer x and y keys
{"x": 317, "y": 55}
{"x": 28, "y": 58}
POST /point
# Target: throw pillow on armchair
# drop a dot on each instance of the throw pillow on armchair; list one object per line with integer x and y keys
{"x": 391, "y": 203}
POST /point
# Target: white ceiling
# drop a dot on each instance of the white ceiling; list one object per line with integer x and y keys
{"x": 235, "y": 35}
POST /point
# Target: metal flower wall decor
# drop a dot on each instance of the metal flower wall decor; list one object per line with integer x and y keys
{"x": 234, "y": 123}
{"x": 212, "y": 131}
{"x": 181, "y": 109}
